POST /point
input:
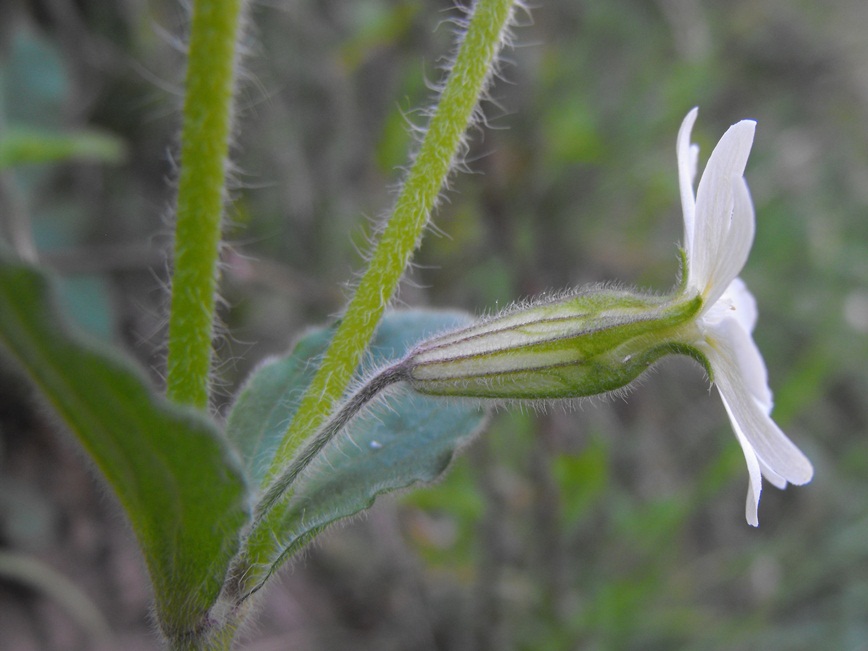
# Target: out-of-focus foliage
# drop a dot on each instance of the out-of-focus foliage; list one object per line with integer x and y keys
{"x": 23, "y": 145}
{"x": 618, "y": 525}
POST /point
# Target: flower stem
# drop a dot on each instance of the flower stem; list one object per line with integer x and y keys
{"x": 467, "y": 82}
{"x": 207, "y": 118}
{"x": 314, "y": 444}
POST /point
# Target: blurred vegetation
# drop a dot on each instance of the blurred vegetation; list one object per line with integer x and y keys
{"x": 618, "y": 525}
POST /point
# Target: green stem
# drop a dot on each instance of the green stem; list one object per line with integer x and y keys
{"x": 207, "y": 118}
{"x": 467, "y": 81}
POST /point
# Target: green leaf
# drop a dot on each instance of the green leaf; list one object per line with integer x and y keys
{"x": 169, "y": 466}
{"x": 394, "y": 443}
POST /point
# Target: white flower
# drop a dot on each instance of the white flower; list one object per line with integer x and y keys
{"x": 718, "y": 233}
{"x": 600, "y": 339}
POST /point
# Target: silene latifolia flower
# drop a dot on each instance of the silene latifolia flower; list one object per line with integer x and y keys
{"x": 600, "y": 339}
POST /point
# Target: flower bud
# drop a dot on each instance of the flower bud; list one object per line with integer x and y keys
{"x": 582, "y": 344}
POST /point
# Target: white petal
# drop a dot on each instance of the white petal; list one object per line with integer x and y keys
{"x": 735, "y": 369}
{"x": 736, "y": 303}
{"x": 754, "y": 472}
{"x": 772, "y": 476}
{"x": 729, "y": 332}
{"x": 687, "y": 156}
{"x": 742, "y": 304}
{"x": 734, "y": 250}
{"x": 724, "y": 216}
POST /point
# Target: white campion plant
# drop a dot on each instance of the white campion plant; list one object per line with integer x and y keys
{"x": 599, "y": 339}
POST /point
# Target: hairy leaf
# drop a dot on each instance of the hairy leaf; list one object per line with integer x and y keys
{"x": 169, "y": 466}
{"x": 395, "y": 442}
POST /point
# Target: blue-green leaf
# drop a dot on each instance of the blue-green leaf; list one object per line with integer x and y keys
{"x": 268, "y": 401}
{"x": 396, "y": 442}
{"x": 34, "y": 81}
{"x": 169, "y": 466}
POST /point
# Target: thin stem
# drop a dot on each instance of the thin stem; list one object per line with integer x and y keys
{"x": 314, "y": 445}
{"x": 467, "y": 82}
{"x": 207, "y": 118}
{"x": 283, "y": 483}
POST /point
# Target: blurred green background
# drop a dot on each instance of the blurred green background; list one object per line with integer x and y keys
{"x": 617, "y": 525}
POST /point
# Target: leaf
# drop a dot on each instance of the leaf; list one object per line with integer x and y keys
{"x": 268, "y": 401}
{"x": 86, "y": 302}
{"x": 391, "y": 445}
{"x": 411, "y": 440}
{"x": 34, "y": 82}
{"x": 168, "y": 465}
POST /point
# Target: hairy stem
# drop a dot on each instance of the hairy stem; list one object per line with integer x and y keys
{"x": 207, "y": 118}
{"x": 467, "y": 82}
